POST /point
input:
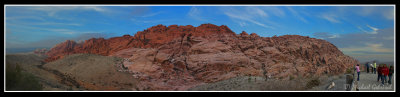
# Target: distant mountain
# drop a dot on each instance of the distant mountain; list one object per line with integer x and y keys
{"x": 181, "y": 57}
{"x": 22, "y": 50}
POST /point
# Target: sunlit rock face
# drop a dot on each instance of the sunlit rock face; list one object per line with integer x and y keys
{"x": 181, "y": 57}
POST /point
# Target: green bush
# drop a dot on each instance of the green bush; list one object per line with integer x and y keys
{"x": 16, "y": 80}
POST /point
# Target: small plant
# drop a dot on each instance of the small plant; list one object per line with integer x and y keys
{"x": 312, "y": 83}
{"x": 350, "y": 70}
{"x": 291, "y": 77}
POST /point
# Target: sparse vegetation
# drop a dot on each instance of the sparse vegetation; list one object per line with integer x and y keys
{"x": 291, "y": 77}
{"x": 17, "y": 80}
{"x": 350, "y": 70}
{"x": 312, "y": 83}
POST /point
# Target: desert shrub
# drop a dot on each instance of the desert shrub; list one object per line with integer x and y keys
{"x": 291, "y": 77}
{"x": 312, "y": 83}
{"x": 17, "y": 80}
{"x": 350, "y": 70}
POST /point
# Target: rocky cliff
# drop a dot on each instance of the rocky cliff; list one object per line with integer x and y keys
{"x": 180, "y": 57}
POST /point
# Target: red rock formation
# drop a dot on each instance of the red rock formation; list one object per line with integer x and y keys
{"x": 244, "y": 33}
{"x": 179, "y": 57}
{"x": 151, "y": 37}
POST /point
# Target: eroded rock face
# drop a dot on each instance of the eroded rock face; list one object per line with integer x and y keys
{"x": 180, "y": 57}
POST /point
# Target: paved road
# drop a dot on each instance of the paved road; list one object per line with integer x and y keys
{"x": 368, "y": 82}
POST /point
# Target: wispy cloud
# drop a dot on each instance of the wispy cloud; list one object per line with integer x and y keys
{"x": 196, "y": 14}
{"x": 325, "y": 35}
{"x": 373, "y": 30}
{"x": 152, "y": 14}
{"x": 369, "y": 47}
{"x": 330, "y": 17}
{"x": 52, "y": 10}
{"x": 248, "y": 15}
{"x": 296, "y": 14}
{"x": 364, "y": 46}
{"x": 54, "y": 23}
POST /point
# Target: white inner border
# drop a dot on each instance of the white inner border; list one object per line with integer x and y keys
{"x": 394, "y": 21}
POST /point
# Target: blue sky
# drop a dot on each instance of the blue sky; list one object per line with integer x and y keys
{"x": 363, "y": 32}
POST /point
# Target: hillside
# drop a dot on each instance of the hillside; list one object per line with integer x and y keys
{"x": 182, "y": 57}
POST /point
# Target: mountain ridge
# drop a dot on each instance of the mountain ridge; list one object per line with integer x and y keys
{"x": 181, "y": 57}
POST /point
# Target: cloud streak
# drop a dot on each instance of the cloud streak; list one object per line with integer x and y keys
{"x": 364, "y": 46}
{"x": 250, "y": 14}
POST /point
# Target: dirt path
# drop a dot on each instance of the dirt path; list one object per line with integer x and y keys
{"x": 368, "y": 82}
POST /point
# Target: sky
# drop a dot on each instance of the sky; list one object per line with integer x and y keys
{"x": 362, "y": 32}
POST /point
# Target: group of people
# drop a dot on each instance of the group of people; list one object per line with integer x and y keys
{"x": 383, "y": 71}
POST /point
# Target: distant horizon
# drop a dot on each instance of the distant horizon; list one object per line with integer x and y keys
{"x": 362, "y": 32}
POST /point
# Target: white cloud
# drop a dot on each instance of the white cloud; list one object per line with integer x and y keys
{"x": 370, "y": 47}
{"x": 334, "y": 36}
{"x": 68, "y": 8}
{"x": 296, "y": 14}
{"x": 256, "y": 11}
{"x": 274, "y": 10}
{"x": 24, "y": 17}
{"x": 374, "y": 30}
{"x": 325, "y": 35}
{"x": 330, "y": 17}
{"x": 151, "y": 14}
{"x": 53, "y": 10}
{"x": 245, "y": 15}
{"x": 242, "y": 24}
{"x": 195, "y": 13}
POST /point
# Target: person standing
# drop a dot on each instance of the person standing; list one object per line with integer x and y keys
{"x": 367, "y": 67}
{"x": 391, "y": 70}
{"x": 358, "y": 72}
{"x": 374, "y": 67}
{"x": 379, "y": 72}
{"x": 385, "y": 72}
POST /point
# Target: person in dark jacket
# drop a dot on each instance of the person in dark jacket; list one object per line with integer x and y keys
{"x": 379, "y": 72}
{"x": 391, "y": 70}
{"x": 367, "y": 67}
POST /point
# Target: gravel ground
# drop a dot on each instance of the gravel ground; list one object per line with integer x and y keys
{"x": 368, "y": 82}
{"x": 340, "y": 84}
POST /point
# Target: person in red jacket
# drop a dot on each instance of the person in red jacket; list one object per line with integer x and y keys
{"x": 385, "y": 72}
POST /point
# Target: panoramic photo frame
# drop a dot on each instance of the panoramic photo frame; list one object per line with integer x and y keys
{"x": 199, "y": 48}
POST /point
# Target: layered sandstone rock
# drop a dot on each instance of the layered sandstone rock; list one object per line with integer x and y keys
{"x": 180, "y": 57}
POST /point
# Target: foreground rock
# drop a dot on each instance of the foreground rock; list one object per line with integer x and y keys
{"x": 181, "y": 57}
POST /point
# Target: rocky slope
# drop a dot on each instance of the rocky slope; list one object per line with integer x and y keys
{"x": 91, "y": 72}
{"x": 181, "y": 57}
